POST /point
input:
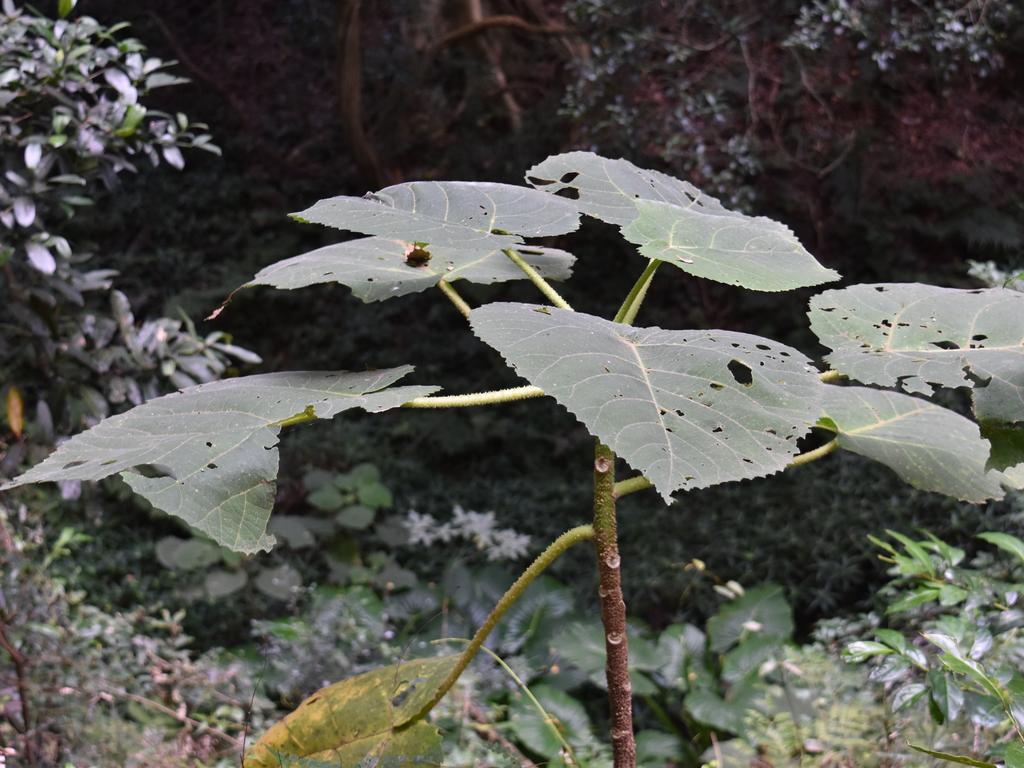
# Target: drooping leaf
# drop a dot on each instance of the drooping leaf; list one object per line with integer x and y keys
{"x": 456, "y": 214}
{"x": 922, "y": 337}
{"x": 376, "y": 268}
{"x": 689, "y": 409}
{"x": 929, "y": 447}
{"x": 673, "y": 221}
{"x": 364, "y": 717}
{"x": 959, "y": 759}
{"x": 761, "y": 611}
{"x": 1005, "y": 542}
{"x": 208, "y": 454}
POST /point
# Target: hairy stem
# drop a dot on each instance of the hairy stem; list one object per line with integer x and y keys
{"x": 627, "y": 312}
{"x": 545, "y": 287}
{"x": 613, "y": 609}
{"x": 632, "y": 485}
{"x": 453, "y": 295}
{"x": 830, "y": 376}
{"x": 818, "y": 453}
{"x": 477, "y": 398}
{"x": 537, "y": 567}
{"x": 641, "y": 483}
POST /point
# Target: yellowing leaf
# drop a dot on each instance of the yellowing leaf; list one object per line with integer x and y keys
{"x": 15, "y": 412}
{"x": 367, "y": 716}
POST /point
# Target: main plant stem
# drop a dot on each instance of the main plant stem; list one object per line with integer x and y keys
{"x": 613, "y": 609}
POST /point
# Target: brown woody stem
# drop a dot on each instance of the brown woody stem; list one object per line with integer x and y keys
{"x": 613, "y": 609}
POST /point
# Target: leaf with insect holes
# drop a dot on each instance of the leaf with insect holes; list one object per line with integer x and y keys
{"x": 371, "y": 715}
{"x": 376, "y": 268}
{"x": 671, "y": 220}
{"x": 454, "y": 214}
{"x": 923, "y": 337}
{"x": 208, "y": 454}
{"x": 689, "y": 409}
{"x": 929, "y": 447}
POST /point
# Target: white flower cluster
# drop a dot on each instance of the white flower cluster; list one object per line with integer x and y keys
{"x": 479, "y": 528}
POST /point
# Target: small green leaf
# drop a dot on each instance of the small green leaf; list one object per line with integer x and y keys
{"x": 916, "y": 551}
{"x": 862, "y": 650}
{"x": 375, "y": 496}
{"x": 65, "y": 7}
{"x": 914, "y": 598}
{"x": 893, "y": 639}
{"x": 356, "y": 517}
{"x": 327, "y": 498}
{"x": 1005, "y": 542}
{"x": 951, "y": 757}
{"x": 132, "y": 117}
{"x": 905, "y": 696}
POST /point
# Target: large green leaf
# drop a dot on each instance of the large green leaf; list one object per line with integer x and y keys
{"x": 376, "y": 268}
{"x": 930, "y": 447}
{"x": 921, "y": 337}
{"x": 673, "y": 221}
{"x": 208, "y": 454}
{"x": 456, "y": 214}
{"x": 367, "y": 717}
{"x": 689, "y": 409}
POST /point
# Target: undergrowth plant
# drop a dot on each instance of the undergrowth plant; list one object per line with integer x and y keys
{"x": 686, "y": 409}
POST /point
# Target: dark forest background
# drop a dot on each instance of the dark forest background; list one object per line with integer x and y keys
{"x": 893, "y": 147}
{"x": 888, "y": 135}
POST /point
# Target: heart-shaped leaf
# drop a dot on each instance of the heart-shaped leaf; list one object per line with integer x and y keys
{"x": 367, "y": 716}
{"x": 929, "y": 447}
{"x": 689, "y": 409}
{"x": 922, "y": 337}
{"x": 455, "y": 214}
{"x": 376, "y": 268}
{"x": 208, "y": 454}
{"x": 673, "y": 221}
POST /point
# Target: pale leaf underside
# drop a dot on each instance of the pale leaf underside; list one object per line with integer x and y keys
{"x": 208, "y": 454}
{"x": 673, "y": 221}
{"x": 929, "y": 447}
{"x": 376, "y": 268}
{"x": 922, "y": 337}
{"x": 689, "y": 409}
{"x": 455, "y": 214}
